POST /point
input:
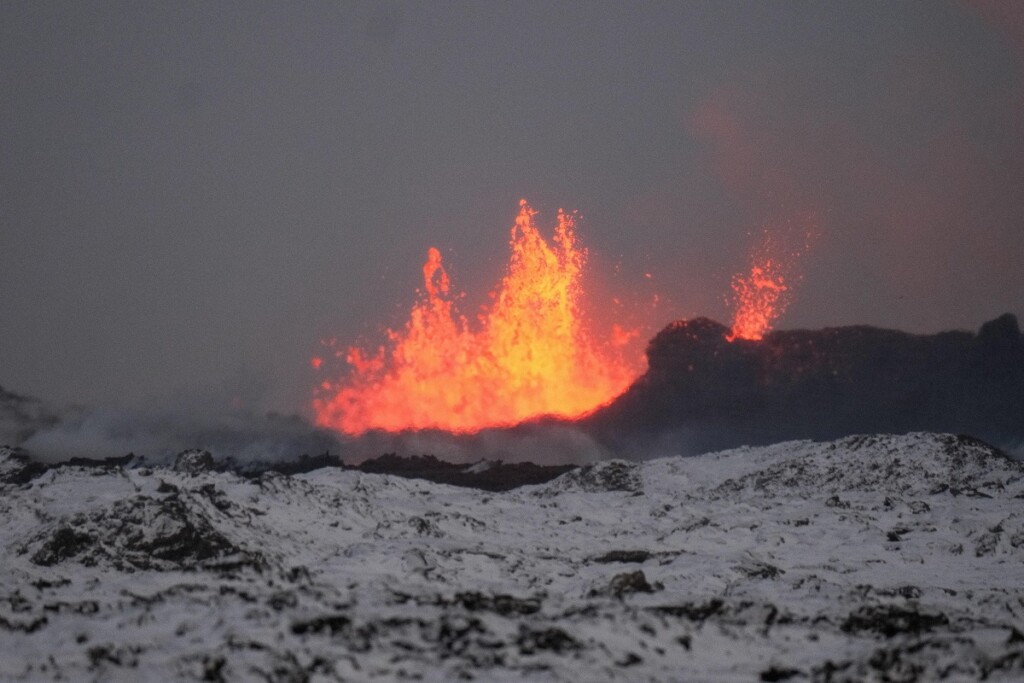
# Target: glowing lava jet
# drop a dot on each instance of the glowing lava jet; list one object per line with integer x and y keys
{"x": 759, "y": 298}
{"x": 532, "y": 355}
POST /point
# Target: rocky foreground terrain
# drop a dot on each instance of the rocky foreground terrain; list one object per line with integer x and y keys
{"x": 869, "y": 558}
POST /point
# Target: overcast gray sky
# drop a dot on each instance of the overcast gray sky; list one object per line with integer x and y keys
{"x": 192, "y": 195}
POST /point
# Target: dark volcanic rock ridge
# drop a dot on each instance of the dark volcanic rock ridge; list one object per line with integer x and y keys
{"x": 702, "y": 392}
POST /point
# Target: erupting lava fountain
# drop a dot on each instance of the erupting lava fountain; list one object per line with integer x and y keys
{"x": 533, "y": 352}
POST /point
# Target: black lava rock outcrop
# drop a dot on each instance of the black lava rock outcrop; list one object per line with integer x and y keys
{"x": 193, "y": 461}
{"x": 607, "y": 476}
{"x": 140, "y": 533}
{"x": 17, "y": 468}
{"x": 702, "y": 392}
{"x": 488, "y": 476}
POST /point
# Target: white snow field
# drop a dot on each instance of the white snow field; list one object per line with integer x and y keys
{"x": 890, "y": 558}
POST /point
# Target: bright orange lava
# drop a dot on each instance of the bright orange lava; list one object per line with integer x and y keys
{"x": 532, "y": 355}
{"x": 762, "y": 296}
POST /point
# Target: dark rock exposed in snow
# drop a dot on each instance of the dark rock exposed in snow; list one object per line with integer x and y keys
{"x": 702, "y": 392}
{"x": 112, "y": 462}
{"x": 488, "y": 476}
{"x": 611, "y": 475}
{"x": 626, "y": 583}
{"x": 17, "y": 468}
{"x": 193, "y": 461}
{"x": 170, "y": 531}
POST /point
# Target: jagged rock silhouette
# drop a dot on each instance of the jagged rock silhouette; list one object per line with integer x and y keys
{"x": 702, "y": 392}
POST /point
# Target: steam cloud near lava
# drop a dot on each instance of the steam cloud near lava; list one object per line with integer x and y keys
{"x": 159, "y": 436}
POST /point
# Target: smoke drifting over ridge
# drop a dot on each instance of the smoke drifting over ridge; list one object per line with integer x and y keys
{"x": 51, "y": 435}
{"x": 108, "y": 433}
{"x": 250, "y": 441}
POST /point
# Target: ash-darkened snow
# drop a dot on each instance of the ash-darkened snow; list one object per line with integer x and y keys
{"x": 892, "y": 558}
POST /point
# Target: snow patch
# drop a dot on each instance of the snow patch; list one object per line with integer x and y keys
{"x": 867, "y": 558}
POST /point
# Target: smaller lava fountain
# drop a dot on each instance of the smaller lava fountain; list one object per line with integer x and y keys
{"x": 763, "y": 295}
{"x": 533, "y": 353}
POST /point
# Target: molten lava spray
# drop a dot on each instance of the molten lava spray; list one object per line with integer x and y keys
{"x": 533, "y": 352}
{"x": 759, "y": 298}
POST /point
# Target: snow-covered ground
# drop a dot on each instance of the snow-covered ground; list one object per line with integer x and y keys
{"x": 884, "y": 557}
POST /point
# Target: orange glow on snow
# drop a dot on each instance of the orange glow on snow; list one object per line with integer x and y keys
{"x": 533, "y": 352}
